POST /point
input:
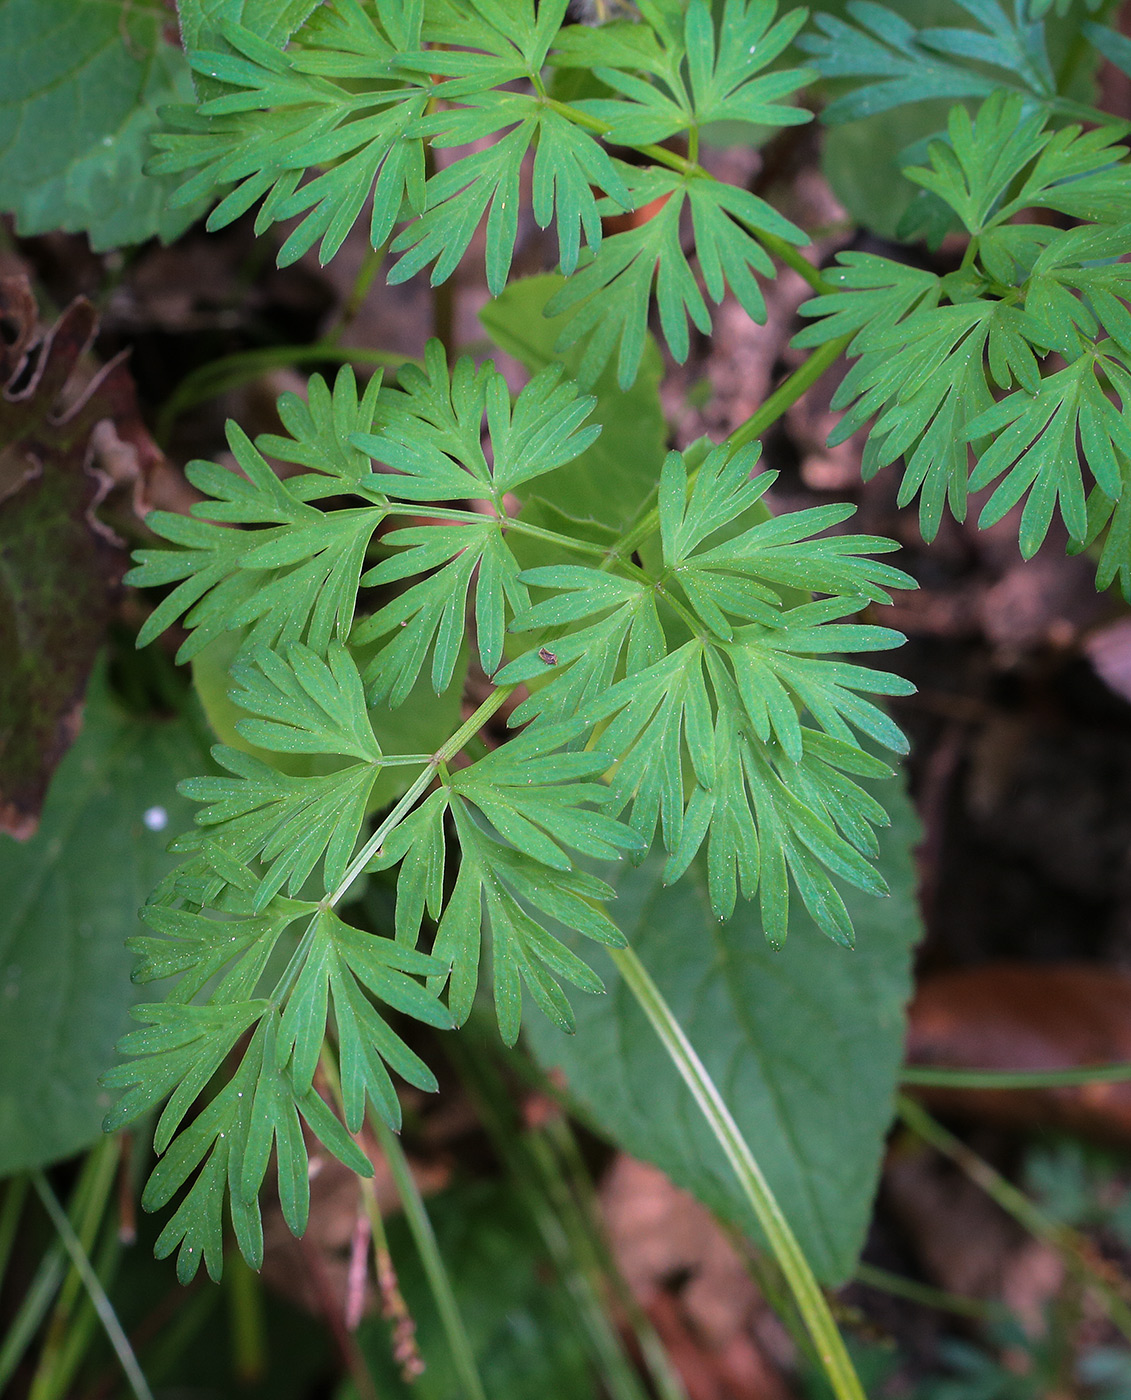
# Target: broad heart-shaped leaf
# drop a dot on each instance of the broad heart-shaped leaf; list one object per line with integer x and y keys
{"x": 80, "y": 86}
{"x": 805, "y": 1045}
{"x": 612, "y": 478}
{"x": 58, "y": 565}
{"x": 71, "y": 896}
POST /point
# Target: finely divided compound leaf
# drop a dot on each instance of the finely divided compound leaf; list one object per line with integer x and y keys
{"x": 430, "y": 615}
{"x": 908, "y": 64}
{"x": 336, "y": 99}
{"x": 709, "y": 736}
{"x": 297, "y": 705}
{"x": 340, "y": 964}
{"x": 185, "y": 1042}
{"x": 1034, "y": 442}
{"x": 515, "y": 814}
{"x": 976, "y": 170}
{"x": 302, "y": 704}
{"x": 926, "y": 371}
{"x": 701, "y": 76}
{"x": 349, "y": 98}
{"x": 322, "y": 425}
{"x": 432, "y": 431}
{"x": 568, "y": 164}
{"x": 433, "y": 439}
{"x": 612, "y": 291}
{"x": 295, "y": 573}
{"x": 622, "y": 630}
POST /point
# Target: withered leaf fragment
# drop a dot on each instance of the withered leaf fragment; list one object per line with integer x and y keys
{"x": 59, "y": 566}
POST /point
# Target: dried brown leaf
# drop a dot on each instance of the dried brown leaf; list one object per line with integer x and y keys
{"x": 59, "y": 565}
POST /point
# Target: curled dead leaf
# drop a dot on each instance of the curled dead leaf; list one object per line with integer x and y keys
{"x": 59, "y": 564}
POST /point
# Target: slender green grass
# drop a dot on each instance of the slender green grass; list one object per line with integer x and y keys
{"x": 811, "y": 1302}
{"x": 939, "y": 1077}
{"x": 102, "y": 1305}
{"x": 1080, "y": 1260}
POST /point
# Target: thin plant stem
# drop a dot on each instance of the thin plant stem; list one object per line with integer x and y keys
{"x": 551, "y": 1206}
{"x": 424, "y": 1237}
{"x": 247, "y": 1320}
{"x": 940, "y": 1077}
{"x": 783, "y": 398}
{"x": 85, "y": 1323}
{"x": 74, "y": 1320}
{"x": 763, "y": 1268}
{"x": 563, "y": 1229}
{"x": 446, "y": 751}
{"x": 370, "y": 267}
{"x": 1073, "y": 1248}
{"x": 48, "y": 1277}
{"x": 463, "y": 1356}
{"x": 32, "y": 1311}
{"x": 899, "y": 1287}
{"x": 665, "y": 1379}
{"x": 15, "y": 1193}
{"x": 100, "y": 1170}
{"x": 511, "y": 525}
{"x": 402, "y": 1325}
{"x": 787, "y": 393}
{"x": 102, "y": 1305}
{"x": 811, "y": 1302}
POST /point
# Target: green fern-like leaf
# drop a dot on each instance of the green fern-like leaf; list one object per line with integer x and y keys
{"x": 931, "y": 352}
{"x": 336, "y": 97}
{"x": 516, "y": 813}
{"x": 677, "y": 716}
{"x": 700, "y": 76}
{"x": 301, "y": 705}
{"x": 1071, "y": 171}
{"x": 295, "y": 573}
{"x": 432, "y": 437}
{"x": 906, "y": 64}
{"x": 703, "y": 696}
{"x": 185, "y": 1042}
{"x": 349, "y": 99}
{"x": 611, "y": 293}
